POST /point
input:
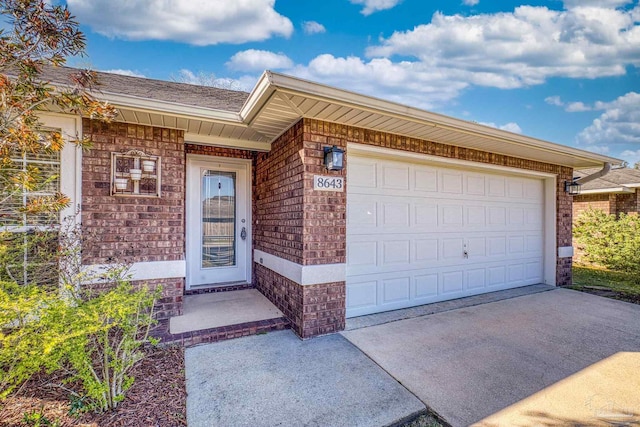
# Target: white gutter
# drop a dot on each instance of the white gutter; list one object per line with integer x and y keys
{"x": 608, "y": 190}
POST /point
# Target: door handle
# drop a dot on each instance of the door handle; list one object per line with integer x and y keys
{"x": 243, "y": 233}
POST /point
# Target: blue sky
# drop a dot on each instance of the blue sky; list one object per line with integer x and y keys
{"x": 567, "y": 71}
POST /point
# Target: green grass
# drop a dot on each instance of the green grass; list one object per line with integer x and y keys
{"x": 602, "y": 278}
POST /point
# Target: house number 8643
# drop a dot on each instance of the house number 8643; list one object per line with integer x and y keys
{"x": 328, "y": 183}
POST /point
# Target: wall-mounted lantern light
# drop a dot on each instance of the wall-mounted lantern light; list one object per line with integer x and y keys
{"x": 333, "y": 158}
{"x": 572, "y": 188}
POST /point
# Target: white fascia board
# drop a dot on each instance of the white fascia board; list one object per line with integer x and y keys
{"x": 258, "y": 98}
{"x": 346, "y": 98}
{"x": 623, "y": 189}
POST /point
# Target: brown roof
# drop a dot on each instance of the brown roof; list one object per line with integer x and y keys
{"x": 615, "y": 178}
{"x": 160, "y": 90}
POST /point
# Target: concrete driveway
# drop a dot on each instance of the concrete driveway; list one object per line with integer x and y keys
{"x": 278, "y": 380}
{"x": 553, "y": 358}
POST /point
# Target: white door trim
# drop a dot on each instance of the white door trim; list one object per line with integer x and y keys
{"x": 194, "y": 159}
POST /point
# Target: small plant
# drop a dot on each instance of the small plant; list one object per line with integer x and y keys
{"x": 38, "y": 419}
{"x": 112, "y": 326}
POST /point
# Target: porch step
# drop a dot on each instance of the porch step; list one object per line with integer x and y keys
{"x": 221, "y": 333}
{"x": 218, "y": 316}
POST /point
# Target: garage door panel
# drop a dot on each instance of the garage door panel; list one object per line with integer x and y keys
{"x": 476, "y": 185}
{"x": 426, "y": 286}
{"x": 395, "y": 177}
{"x": 409, "y": 226}
{"x": 425, "y": 180}
{"x": 361, "y": 174}
{"x": 362, "y": 254}
{"x": 362, "y": 214}
{"x": 362, "y": 295}
{"x": 395, "y": 214}
{"x": 476, "y": 278}
{"x": 425, "y": 216}
{"x": 396, "y": 290}
{"x": 451, "y": 182}
{"x": 396, "y": 252}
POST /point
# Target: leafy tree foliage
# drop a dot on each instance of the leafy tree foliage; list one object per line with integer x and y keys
{"x": 609, "y": 241}
{"x": 95, "y": 338}
{"x": 40, "y": 35}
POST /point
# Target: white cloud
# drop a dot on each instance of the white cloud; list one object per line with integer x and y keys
{"x": 470, "y": 2}
{"x": 510, "y": 127}
{"x": 120, "y": 71}
{"x": 522, "y": 48}
{"x": 258, "y": 60}
{"x": 410, "y": 83}
{"x": 554, "y": 100}
{"x": 313, "y": 27}
{"x": 203, "y": 78}
{"x": 599, "y": 149}
{"x": 195, "y": 22}
{"x": 570, "y": 107}
{"x": 371, "y": 6}
{"x": 618, "y": 125}
{"x": 569, "y": 4}
{"x": 577, "y": 107}
{"x": 631, "y": 156}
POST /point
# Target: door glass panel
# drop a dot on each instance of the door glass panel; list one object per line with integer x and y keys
{"x": 218, "y": 219}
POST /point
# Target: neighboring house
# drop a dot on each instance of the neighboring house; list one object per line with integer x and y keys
{"x": 428, "y": 207}
{"x": 614, "y": 193}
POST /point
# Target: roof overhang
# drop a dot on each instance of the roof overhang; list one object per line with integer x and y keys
{"x": 278, "y": 101}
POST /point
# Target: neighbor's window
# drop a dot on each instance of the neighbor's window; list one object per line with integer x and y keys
{"x": 28, "y": 241}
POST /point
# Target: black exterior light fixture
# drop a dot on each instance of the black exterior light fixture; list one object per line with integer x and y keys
{"x": 333, "y": 158}
{"x": 572, "y": 188}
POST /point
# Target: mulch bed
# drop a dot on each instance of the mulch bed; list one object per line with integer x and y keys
{"x": 157, "y": 398}
{"x": 609, "y": 293}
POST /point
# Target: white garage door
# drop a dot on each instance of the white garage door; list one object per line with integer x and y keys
{"x": 419, "y": 233}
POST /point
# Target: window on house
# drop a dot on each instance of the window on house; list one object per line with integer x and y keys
{"x": 28, "y": 241}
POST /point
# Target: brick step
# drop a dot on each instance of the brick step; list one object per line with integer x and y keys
{"x": 219, "y": 287}
{"x": 223, "y": 333}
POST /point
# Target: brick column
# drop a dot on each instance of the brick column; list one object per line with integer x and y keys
{"x": 299, "y": 229}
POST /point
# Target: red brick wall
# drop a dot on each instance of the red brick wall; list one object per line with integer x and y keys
{"x": 627, "y": 203}
{"x": 132, "y": 229}
{"x": 279, "y": 197}
{"x": 135, "y": 229}
{"x": 609, "y": 203}
{"x": 583, "y": 202}
{"x": 208, "y": 150}
{"x": 312, "y": 310}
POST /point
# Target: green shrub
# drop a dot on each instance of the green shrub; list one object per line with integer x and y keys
{"x": 608, "y": 241}
{"x": 96, "y": 339}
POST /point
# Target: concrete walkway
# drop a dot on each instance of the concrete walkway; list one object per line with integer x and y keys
{"x": 552, "y": 358}
{"x": 279, "y": 380}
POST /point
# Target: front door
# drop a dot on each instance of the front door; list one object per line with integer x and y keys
{"x": 218, "y": 223}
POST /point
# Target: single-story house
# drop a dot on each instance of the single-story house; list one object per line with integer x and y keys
{"x": 614, "y": 193}
{"x": 205, "y": 189}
